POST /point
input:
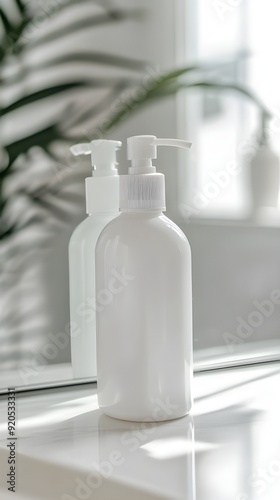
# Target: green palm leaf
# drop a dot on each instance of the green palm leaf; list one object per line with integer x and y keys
{"x": 113, "y": 16}
{"x": 42, "y": 94}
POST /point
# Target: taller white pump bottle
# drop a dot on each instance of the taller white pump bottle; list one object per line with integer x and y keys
{"x": 102, "y": 205}
{"x": 143, "y": 269}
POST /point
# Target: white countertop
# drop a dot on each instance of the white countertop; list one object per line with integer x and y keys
{"x": 228, "y": 449}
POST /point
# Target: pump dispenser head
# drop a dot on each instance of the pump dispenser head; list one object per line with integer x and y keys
{"x": 142, "y": 149}
{"x": 143, "y": 188}
{"x": 102, "y": 189}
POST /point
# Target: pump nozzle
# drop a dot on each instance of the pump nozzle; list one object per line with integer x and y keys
{"x": 145, "y": 189}
{"x": 103, "y": 155}
{"x": 81, "y": 149}
{"x": 142, "y": 149}
{"x": 177, "y": 143}
{"x": 102, "y": 189}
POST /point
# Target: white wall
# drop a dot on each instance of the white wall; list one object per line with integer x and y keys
{"x": 234, "y": 266}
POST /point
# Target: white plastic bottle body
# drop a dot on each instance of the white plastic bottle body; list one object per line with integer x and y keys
{"x": 264, "y": 178}
{"x": 144, "y": 329}
{"x": 82, "y": 294}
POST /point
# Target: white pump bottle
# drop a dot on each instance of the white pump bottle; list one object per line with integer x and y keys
{"x": 144, "y": 330}
{"x": 102, "y": 205}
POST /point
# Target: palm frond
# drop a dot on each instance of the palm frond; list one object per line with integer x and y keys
{"x": 5, "y": 21}
{"x": 6, "y": 232}
{"x": 42, "y": 94}
{"x": 91, "y": 59}
{"x": 21, "y": 6}
{"x": 90, "y": 22}
{"x": 13, "y": 29}
{"x": 42, "y": 138}
{"x": 169, "y": 85}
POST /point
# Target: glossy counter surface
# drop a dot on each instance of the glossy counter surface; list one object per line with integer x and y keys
{"x": 228, "y": 449}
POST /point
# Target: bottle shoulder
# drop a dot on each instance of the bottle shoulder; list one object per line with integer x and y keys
{"x": 91, "y": 227}
{"x": 134, "y": 229}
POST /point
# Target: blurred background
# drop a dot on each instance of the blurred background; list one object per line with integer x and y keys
{"x": 204, "y": 70}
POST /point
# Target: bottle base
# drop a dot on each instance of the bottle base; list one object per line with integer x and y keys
{"x": 147, "y": 419}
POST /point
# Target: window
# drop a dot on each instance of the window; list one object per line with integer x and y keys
{"x": 237, "y": 42}
{"x": 235, "y": 255}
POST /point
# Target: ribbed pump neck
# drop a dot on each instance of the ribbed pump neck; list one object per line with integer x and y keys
{"x": 143, "y": 188}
